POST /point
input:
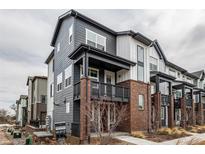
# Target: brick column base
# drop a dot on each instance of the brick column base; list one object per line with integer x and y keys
{"x": 157, "y": 105}
{"x": 171, "y": 122}
{"x": 84, "y": 109}
{"x": 193, "y": 113}
{"x": 183, "y": 112}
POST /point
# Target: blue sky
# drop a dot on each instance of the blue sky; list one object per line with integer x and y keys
{"x": 27, "y": 34}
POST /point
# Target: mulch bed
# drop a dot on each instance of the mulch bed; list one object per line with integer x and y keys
{"x": 161, "y": 138}
{"x": 113, "y": 141}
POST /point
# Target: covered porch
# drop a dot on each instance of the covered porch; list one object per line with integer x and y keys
{"x": 183, "y": 103}
{"x": 162, "y": 100}
{"x": 95, "y": 82}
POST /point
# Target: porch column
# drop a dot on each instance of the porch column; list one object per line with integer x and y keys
{"x": 171, "y": 122}
{"x": 85, "y": 64}
{"x": 200, "y": 114}
{"x": 157, "y": 105}
{"x": 193, "y": 109}
{"x": 183, "y": 112}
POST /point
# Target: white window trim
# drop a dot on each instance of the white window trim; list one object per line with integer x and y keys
{"x": 68, "y": 77}
{"x": 91, "y": 68}
{"x": 58, "y": 47}
{"x": 59, "y": 83}
{"x": 143, "y": 107}
{"x": 153, "y": 64}
{"x": 86, "y": 40}
{"x": 67, "y": 107}
{"x": 71, "y": 27}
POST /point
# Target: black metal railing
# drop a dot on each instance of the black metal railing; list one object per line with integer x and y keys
{"x": 177, "y": 103}
{"x": 188, "y": 102}
{"x": 165, "y": 99}
{"x": 109, "y": 92}
{"x": 196, "y": 105}
{"x": 77, "y": 90}
{"x": 75, "y": 129}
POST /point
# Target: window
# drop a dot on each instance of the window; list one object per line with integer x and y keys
{"x": 51, "y": 89}
{"x": 67, "y": 107}
{"x": 162, "y": 113}
{"x": 70, "y": 34}
{"x": 53, "y": 65}
{"x": 93, "y": 73}
{"x": 68, "y": 72}
{"x": 153, "y": 64}
{"x": 172, "y": 72}
{"x": 43, "y": 99}
{"x": 178, "y": 74}
{"x": 141, "y": 102}
{"x": 58, "y": 47}
{"x": 140, "y": 62}
{"x": 95, "y": 40}
{"x": 59, "y": 82}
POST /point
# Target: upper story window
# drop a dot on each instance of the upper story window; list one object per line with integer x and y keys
{"x": 140, "y": 63}
{"x": 58, "y": 46}
{"x": 153, "y": 64}
{"x": 68, "y": 72}
{"x": 172, "y": 72}
{"x": 59, "y": 82}
{"x": 95, "y": 40}
{"x": 178, "y": 75}
{"x": 68, "y": 107}
{"x": 70, "y": 34}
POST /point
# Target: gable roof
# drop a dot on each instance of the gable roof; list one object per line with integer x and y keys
{"x": 199, "y": 73}
{"x": 51, "y": 55}
{"x": 159, "y": 50}
{"x": 76, "y": 14}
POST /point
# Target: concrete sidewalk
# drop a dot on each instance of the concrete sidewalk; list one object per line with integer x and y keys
{"x": 181, "y": 141}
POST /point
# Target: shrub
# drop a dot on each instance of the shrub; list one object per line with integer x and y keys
{"x": 138, "y": 134}
{"x": 164, "y": 131}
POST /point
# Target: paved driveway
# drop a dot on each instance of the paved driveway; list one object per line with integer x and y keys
{"x": 3, "y": 139}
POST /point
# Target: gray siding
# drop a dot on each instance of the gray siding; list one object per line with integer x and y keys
{"x": 80, "y": 35}
{"x": 61, "y": 63}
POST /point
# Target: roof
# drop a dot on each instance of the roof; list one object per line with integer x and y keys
{"x": 199, "y": 73}
{"x": 159, "y": 50}
{"x": 161, "y": 74}
{"x": 23, "y": 96}
{"x": 75, "y": 53}
{"x": 138, "y": 36}
{"x": 51, "y": 55}
{"x": 39, "y": 77}
{"x": 176, "y": 67}
{"x": 29, "y": 78}
{"x": 80, "y": 16}
{"x": 185, "y": 83}
{"x": 76, "y": 14}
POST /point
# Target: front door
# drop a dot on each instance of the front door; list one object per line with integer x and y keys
{"x": 109, "y": 80}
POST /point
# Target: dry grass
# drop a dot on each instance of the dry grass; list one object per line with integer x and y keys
{"x": 196, "y": 129}
{"x": 112, "y": 141}
{"x": 138, "y": 134}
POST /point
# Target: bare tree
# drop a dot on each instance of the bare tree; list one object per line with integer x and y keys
{"x": 3, "y": 113}
{"x": 13, "y": 107}
{"x": 100, "y": 112}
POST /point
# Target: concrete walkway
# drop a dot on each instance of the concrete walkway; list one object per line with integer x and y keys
{"x": 182, "y": 141}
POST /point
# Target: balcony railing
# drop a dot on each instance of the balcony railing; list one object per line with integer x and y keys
{"x": 104, "y": 91}
{"x": 109, "y": 92}
{"x": 165, "y": 99}
{"x": 188, "y": 102}
{"x": 177, "y": 103}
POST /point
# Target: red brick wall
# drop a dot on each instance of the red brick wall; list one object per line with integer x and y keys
{"x": 139, "y": 119}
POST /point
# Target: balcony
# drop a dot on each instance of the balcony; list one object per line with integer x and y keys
{"x": 165, "y": 99}
{"x": 105, "y": 92}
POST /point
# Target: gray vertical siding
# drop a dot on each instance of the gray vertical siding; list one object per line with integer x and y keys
{"x": 61, "y": 63}
{"x": 80, "y": 35}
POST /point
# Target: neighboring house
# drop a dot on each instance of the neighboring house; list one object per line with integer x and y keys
{"x": 94, "y": 62}
{"x": 29, "y": 84}
{"x": 50, "y": 89}
{"x": 21, "y": 114}
{"x": 37, "y": 95}
{"x": 199, "y": 97}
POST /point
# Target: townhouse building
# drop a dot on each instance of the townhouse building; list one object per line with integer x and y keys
{"x": 37, "y": 100}
{"x": 93, "y": 64}
{"x": 21, "y": 113}
{"x": 50, "y": 90}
